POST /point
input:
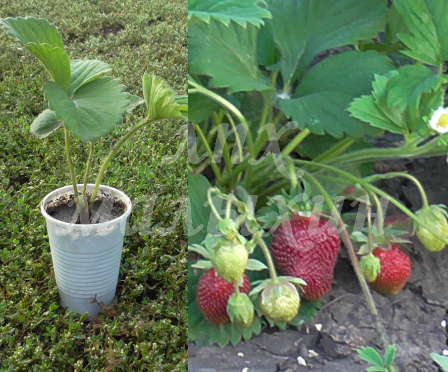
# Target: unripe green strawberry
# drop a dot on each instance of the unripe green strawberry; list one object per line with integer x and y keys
{"x": 435, "y": 217}
{"x": 280, "y": 302}
{"x": 229, "y": 260}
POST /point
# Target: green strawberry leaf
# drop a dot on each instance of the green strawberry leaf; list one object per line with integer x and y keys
{"x": 441, "y": 360}
{"x": 321, "y": 100}
{"x": 239, "y": 11}
{"x": 134, "y": 101}
{"x": 94, "y": 109}
{"x": 33, "y": 30}
{"x": 201, "y": 107}
{"x": 389, "y": 355}
{"x": 83, "y": 72}
{"x": 227, "y": 54}
{"x": 370, "y": 355}
{"x": 376, "y": 369}
{"x": 427, "y": 40}
{"x": 199, "y": 249}
{"x": 323, "y": 25}
{"x": 45, "y": 124}
{"x": 159, "y": 98}
{"x": 182, "y": 101}
{"x": 202, "y": 264}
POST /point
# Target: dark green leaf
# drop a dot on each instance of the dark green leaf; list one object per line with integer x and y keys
{"x": 239, "y": 11}
{"x": 303, "y": 28}
{"x": 324, "y": 94}
{"x": 227, "y": 54}
{"x": 427, "y": 39}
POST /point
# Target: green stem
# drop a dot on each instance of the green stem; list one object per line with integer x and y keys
{"x": 380, "y": 214}
{"x": 89, "y": 164}
{"x": 295, "y": 142}
{"x": 367, "y": 155}
{"x": 335, "y": 150}
{"x": 210, "y": 153}
{"x": 267, "y": 255}
{"x": 367, "y": 186}
{"x": 237, "y": 137}
{"x": 114, "y": 151}
{"x": 225, "y": 147}
{"x": 292, "y": 172}
{"x": 71, "y": 168}
{"x": 252, "y": 155}
{"x": 210, "y": 201}
{"x": 217, "y": 98}
{"x": 352, "y": 254}
{"x": 229, "y": 206}
{"x": 404, "y": 175}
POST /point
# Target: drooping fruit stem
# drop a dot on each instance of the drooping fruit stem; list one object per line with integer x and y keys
{"x": 267, "y": 255}
{"x": 213, "y": 164}
{"x": 405, "y": 175}
{"x": 380, "y": 214}
{"x": 352, "y": 254}
{"x": 212, "y": 205}
{"x": 295, "y": 141}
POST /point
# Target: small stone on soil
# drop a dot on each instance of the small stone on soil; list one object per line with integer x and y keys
{"x": 240, "y": 355}
{"x": 301, "y": 361}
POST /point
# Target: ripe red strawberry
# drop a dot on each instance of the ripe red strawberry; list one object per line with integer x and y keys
{"x": 212, "y": 294}
{"x": 307, "y": 248}
{"x": 395, "y": 270}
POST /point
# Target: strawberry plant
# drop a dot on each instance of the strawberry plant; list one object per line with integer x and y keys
{"x": 84, "y": 102}
{"x": 288, "y": 103}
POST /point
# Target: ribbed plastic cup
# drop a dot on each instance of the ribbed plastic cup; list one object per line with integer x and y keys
{"x": 86, "y": 258}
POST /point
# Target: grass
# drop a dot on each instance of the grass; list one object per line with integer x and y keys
{"x": 146, "y": 329}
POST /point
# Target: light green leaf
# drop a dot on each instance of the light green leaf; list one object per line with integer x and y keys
{"x": 427, "y": 22}
{"x": 389, "y": 355}
{"x": 94, "y": 109}
{"x": 441, "y": 360}
{"x": 239, "y": 11}
{"x": 255, "y": 265}
{"x": 45, "y": 124}
{"x": 55, "y": 61}
{"x": 82, "y": 72}
{"x": 405, "y": 89}
{"x": 33, "y": 30}
{"x": 226, "y": 53}
{"x": 376, "y": 369}
{"x": 321, "y": 100}
{"x": 303, "y": 28}
{"x": 199, "y": 249}
{"x": 370, "y": 355}
{"x": 159, "y": 98}
{"x": 202, "y": 264}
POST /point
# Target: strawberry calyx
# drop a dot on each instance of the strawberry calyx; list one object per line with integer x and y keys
{"x": 370, "y": 266}
{"x": 240, "y": 309}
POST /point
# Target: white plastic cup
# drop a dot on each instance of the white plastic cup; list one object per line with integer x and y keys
{"x": 86, "y": 258}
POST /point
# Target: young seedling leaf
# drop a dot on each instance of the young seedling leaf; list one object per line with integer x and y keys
{"x": 33, "y": 30}
{"x": 441, "y": 360}
{"x": 45, "y": 124}
{"x": 83, "y": 72}
{"x": 227, "y": 54}
{"x": 241, "y": 12}
{"x": 389, "y": 355}
{"x": 370, "y": 355}
{"x": 376, "y": 369}
{"x": 55, "y": 62}
{"x": 427, "y": 39}
{"x": 93, "y": 111}
{"x": 159, "y": 98}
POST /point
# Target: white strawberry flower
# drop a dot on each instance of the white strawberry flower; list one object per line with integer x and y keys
{"x": 439, "y": 120}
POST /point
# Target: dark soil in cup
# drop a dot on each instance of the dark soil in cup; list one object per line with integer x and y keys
{"x": 105, "y": 208}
